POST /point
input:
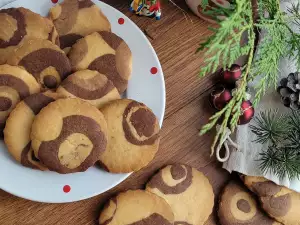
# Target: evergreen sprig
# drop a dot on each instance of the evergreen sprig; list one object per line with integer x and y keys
{"x": 224, "y": 47}
{"x": 281, "y": 135}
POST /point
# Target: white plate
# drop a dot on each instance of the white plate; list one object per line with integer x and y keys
{"x": 144, "y": 87}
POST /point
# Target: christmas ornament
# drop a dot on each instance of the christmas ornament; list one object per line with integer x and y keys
{"x": 232, "y": 74}
{"x": 220, "y": 97}
{"x": 247, "y": 112}
{"x": 150, "y": 8}
{"x": 289, "y": 91}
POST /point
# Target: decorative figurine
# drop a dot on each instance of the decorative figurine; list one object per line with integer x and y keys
{"x": 150, "y": 8}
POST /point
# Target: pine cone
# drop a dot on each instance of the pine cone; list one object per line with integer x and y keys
{"x": 289, "y": 91}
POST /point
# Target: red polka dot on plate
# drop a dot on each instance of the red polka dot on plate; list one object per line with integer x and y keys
{"x": 121, "y": 21}
{"x": 54, "y": 1}
{"x": 153, "y": 70}
{"x": 67, "y": 189}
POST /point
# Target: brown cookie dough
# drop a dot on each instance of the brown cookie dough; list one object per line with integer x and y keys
{"x": 106, "y": 53}
{"x": 239, "y": 207}
{"x": 136, "y": 208}
{"x": 15, "y": 85}
{"x": 20, "y": 24}
{"x": 75, "y": 19}
{"x": 69, "y": 135}
{"x": 18, "y": 127}
{"x": 89, "y": 86}
{"x": 133, "y": 136}
{"x": 186, "y": 190}
{"x": 44, "y": 60}
{"x": 279, "y": 202}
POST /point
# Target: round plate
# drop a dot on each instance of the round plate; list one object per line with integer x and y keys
{"x": 147, "y": 86}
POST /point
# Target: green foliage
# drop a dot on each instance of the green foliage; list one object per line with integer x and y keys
{"x": 281, "y": 135}
{"x": 224, "y": 47}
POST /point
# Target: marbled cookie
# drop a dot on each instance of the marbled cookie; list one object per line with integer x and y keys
{"x": 19, "y": 24}
{"x": 69, "y": 135}
{"x": 44, "y": 60}
{"x": 89, "y": 86}
{"x": 239, "y": 207}
{"x": 136, "y": 208}
{"x": 133, "y": 136}
{"x": 186, "y": 190}
{"x": 279, "y": 202}
{"x": 15, "y": 85}
{"x": 105, "y": 52}
{"x": 75, "y": 19}
{"x": 18, "y": 128}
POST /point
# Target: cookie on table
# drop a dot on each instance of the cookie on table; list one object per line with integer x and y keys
{"x": 133, "y": 136}
{"x": 69, "y": 135}
{"x": 44, "y": 60}
{"x": 75, "y": 19}
{"x": 279, "y": 202}
{"x": 15, "y": 85}
{"x": 19, "y": 24}
{"x": 106, "y": 53}
{"x": 186, "y": 190}
{"x": 90, "y": 86}
{"x": 18, "y": 128}
{"x": 136, "y": 207}
{"x": 239, "y": 207}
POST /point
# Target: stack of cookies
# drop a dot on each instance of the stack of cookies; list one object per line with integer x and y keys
{"x": 61, "y": 79}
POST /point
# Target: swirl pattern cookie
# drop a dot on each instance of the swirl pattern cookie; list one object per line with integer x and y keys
{"x": 19, "y": 24}
{"x": 136, "y": 208}
{"x": 15, "y": 85}
{"x": 89, "y": 86}
{"x": 133, "y": 136}
{"x": 69, "y": 135}
{"x": 186, "y": 190}
{"x": 75, "y": 19}
{"x": 18, "y": 127}
{"x": 44, "y": 60}
{"x": 106, "y": 53}
{"x": 237, "y": 206}
{"x": 279, "y": 202}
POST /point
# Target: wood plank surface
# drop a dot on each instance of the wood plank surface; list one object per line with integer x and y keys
{"x": 175, "y": 40}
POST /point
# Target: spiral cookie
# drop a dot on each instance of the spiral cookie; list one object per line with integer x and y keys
{"x": 136, "y": 208}
{"x": 19, "y": 24}
{"x": 279, "y": 202}
{"x": 89, "y": 86}
{"x": 15, "y": 85}
{"x": 105, "y": 52}
{"x": 237, "y": 206}
{"x": 44, "y": 60}
{"x": 75, "y": 19}
{"x": 69, "y": 135}
{"x": 186, "y": 190}
{"x": 18, "y": 127}
{"x": 133, "y": 136}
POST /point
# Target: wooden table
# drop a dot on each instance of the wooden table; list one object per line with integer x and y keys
{"x": 175, "y": 40}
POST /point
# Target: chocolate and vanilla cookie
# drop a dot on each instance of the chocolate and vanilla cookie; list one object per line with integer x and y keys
{"x": 69, "y": 135}
{"x": 133, "y": 136}
{"x": 90, "y": 86}
{"x": 18, "y": 128}
{"x": 278, "y": 202}
{"x": 239, "y": 207}
{"x": 136, "y": 208}
{"x": 15, "y": 85}
{"x": 75, "y": 19}
{"x": 19, "y": 24}
{"x": 186, "y": 190}
{"x": 106, "y": 53}
{"x": 44, "y": 60}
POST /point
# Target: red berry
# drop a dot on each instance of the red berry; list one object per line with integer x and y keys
{"x": 247, "y": 113}
{"x": 233, "y": 74}
{"x": 220, "y": 97}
